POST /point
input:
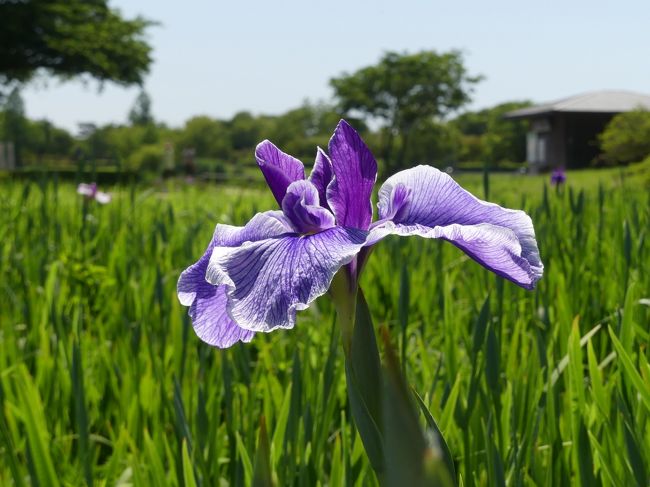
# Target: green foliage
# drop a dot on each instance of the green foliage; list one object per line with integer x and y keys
{"x": 43, "y": 138}
{"x": 14, "y": 103}
{"x": 410, "y": 458}
{"x": 70, "y": 38}
{"x": 14, "y": 123}
{"x": 208, "y": 137}
{"x": 364, "y": 385}
{"x": 641, "y": 170}
{"x": 140, "y": 114}
{"x": 626, "y": 138}
{"x": 146, "y": 159}
{"x": 262, "y": 475}
{"x": 476, "y": 137}
{"x": 120, "y": 142}
{"x": 433, "y": 143}
{"x": 487, "y": 136}
{"x": 33, "y": 139}
{"x": 100, "y": 366}
{"x": 244, "y": 131}
{"x": 405, "y": 90}
{"x": 227, "y": 146}
{"x": 300, "y": 130}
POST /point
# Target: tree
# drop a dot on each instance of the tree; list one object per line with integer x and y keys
{"x": 405, "y": 90}
{"x": 45, "y": 140}
{"x": 140, "y": 114}
{"x": 626, "y": 138}
{"x": 70, "y": 38}
{"x": 244, "y": 131}
{"x": 117, "y": 142}
{"x": 208, "y": 137}
{"x": 300, "y": 130}
{"x": 308, "y": 120}
{"x": 490, "y": 137}
{"x": 434, "y": 143}
{"x": 15, "y": 123}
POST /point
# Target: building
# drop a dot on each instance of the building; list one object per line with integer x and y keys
{"x": 564, "y": 133}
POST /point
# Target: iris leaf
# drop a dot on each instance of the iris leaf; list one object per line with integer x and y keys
{"x": 403, "y": 309}
{"x": 245, "y": 459}
{"x": 410, "y": 459}
{"x": 38, "y": 437}
{"x": 630, "y": 372}
{"x": 447, "y": 457}
{"x": 262, "y": 476}
{"x": 188, "y": 471}
{"x": 363, "y": 374}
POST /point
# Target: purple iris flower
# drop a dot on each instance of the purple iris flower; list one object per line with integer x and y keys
{"x": 558, "y": 176}
{"x": 91, "y": 192}
{"x": 254, "y": 278}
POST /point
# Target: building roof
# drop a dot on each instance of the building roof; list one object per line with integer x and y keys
{"x": 594, "y": 102}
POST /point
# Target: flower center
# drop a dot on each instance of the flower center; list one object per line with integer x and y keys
{"x": 301, "y": 206}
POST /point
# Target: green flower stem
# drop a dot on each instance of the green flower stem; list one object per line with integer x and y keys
{"x": 344, "y": 296}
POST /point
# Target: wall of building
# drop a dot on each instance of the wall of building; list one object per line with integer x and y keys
{"x": 581, "y": 137}
{"x": 564, "y": 139}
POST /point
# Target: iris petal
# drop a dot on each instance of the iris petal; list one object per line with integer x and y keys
{"x": 208, "y": 310}
{"x": 301, "y": 206}
{"x": 500, "y": 239}
{"x": 355, "y": 173}
{"x": 321, "y": 176}
{"x": 279, "y": 169}
{"x": 207, "y": 302}
{"x": 268, "y": 281}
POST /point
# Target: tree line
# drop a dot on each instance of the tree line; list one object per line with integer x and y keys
{"x": 206, "y": 144}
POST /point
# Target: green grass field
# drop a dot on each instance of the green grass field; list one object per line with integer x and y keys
{"x": 103, "y": 382}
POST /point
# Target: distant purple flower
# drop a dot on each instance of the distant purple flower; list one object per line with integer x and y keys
{"x": 558, "y": 176}
{"x": 91, "y": 192}
{"x": 254, "y": 278}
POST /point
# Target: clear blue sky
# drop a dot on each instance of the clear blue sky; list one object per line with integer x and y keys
{"x": 218, "y": 58}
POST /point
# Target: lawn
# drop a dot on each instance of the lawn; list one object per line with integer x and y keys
{"x": 102, "y": 380}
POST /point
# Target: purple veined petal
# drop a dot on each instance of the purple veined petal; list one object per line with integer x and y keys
{"x": 207, "y": 302}
{"x": 426, "y": 202}
{"x": 262, "y": 226}
{"x": 279, "y": 169}
{"x": 355, "y": 173}
{"x": 301, "y": 206}
{"x": 268, "y": 281}
{"x": 208, "y": 308}
{"x": 496, "y": 248}
{"x": 321, "y": 176}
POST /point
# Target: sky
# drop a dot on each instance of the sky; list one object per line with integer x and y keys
{"x": 217, "y": 58}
